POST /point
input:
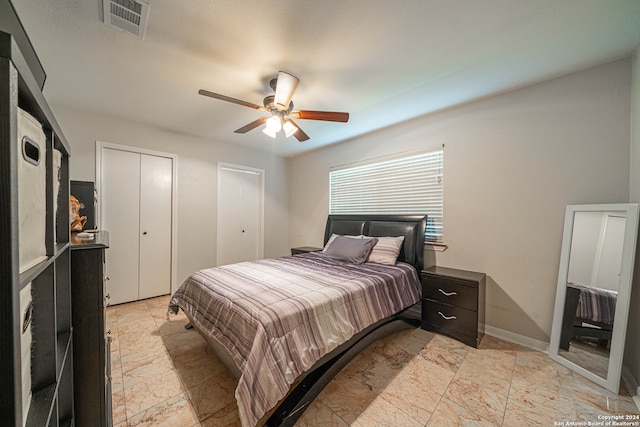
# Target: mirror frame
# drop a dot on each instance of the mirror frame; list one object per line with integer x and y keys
{"x": 614, "y": 369}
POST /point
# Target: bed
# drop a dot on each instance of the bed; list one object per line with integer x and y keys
{"x": 589, "y": 313}
{"x": 286, "y": 326}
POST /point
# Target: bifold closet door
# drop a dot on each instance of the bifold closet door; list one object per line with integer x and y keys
{"x": 136, "y": 207}
{"x": 609, "y": 257}
{"x": 155, "y": 226}
{"x": 121, "y": 217}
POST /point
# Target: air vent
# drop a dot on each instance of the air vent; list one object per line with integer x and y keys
{"x": 128, "y": 15}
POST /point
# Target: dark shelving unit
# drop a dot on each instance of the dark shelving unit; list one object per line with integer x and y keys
{"x": 51, "y": 344}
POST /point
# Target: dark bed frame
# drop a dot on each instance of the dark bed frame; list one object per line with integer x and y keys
{"x": 312, "y": 382}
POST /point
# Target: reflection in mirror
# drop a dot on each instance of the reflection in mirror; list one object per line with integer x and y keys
{"x": 592, "y": 289}
{"x": 594, "y": 282}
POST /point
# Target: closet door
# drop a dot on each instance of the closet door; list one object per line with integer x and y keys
{"x": 120, "y": 216}
{"x": 240, "y": 213}
{"x": 136, "y": 209}
{"x": 155, "y": 226}
{"x": 609, "y": 256}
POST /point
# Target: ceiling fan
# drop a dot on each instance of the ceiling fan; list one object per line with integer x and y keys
{"x": 280, "y": 108}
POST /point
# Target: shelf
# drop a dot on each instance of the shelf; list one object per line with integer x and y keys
{"x": 61, "y": 247}
{"x": 51, "y": 344}
{"x": 29, "y": 275}
{"x": 63, "y": 292}
{"x": 63, "y": 343}
{"x": 65, "y": 387}
{"x": 41, "y": 406}
{"x": 31, "y": 96}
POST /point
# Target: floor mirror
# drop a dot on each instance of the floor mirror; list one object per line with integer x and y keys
{"x": 594, "y": 286}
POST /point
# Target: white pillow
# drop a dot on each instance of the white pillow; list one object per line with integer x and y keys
{"x": 386, "y": 251}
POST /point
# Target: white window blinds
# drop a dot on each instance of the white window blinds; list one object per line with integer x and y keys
{"x": 407, "y": 185}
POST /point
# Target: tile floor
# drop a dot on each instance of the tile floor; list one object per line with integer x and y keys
{"x": 164, "y": 375}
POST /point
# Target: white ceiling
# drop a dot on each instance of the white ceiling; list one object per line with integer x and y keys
{"x": 382, "y": 61}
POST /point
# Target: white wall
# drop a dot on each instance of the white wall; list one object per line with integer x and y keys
{"x": 632, "y": 351}
{"x": 512, "y": 164}
{"x": 197, "y": 162}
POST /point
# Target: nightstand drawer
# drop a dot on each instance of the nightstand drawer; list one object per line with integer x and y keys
{"x": 450, "y": 291}
{"x": 457, "y": 322}
{"x": 304, "y": 250}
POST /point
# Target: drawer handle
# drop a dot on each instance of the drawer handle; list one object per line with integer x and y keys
{"x": 447, "y": 294}
{"x": 447, "y": 317}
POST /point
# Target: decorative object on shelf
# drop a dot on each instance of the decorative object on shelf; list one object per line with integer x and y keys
{"x": 77, "y": 221}
{"x": 85, "y": 192}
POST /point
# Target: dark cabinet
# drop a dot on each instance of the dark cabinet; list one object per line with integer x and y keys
{"x": 36, "y": 361}
{"x": 453, "y": 303}
{"x": 92, "y": 370}
{"x": 304, "y": 250}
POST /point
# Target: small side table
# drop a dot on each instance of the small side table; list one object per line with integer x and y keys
{"x": 453, "y": 303}
{"x": 304, "y": 250}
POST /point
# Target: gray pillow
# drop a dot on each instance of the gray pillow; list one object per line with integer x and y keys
{"x": 351, "y": 250}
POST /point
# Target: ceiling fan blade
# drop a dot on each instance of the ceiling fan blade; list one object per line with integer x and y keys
{"x": 285, "y": 87}
{"x": 329, "y": 116}
{"x": 298, "y": 133}
{"x": 229, "y": 99}
{"x": 254, "y": 124}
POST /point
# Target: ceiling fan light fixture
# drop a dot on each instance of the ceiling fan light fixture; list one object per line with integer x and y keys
{"x": 285, "y": 87}
{"x": 279, "y": 108}
{"x": 289, "y": 128}
{"x": 268, "y": 131}
{"x": 274, "y": 123}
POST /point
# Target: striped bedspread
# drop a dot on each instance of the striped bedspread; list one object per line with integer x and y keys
{"x": 596, "y": 304}
{"x": 277, "y": 317}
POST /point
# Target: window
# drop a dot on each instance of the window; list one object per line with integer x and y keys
{"x": 407, "y": 185}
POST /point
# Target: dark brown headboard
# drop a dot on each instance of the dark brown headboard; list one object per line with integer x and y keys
{"x": 412, "y": 227}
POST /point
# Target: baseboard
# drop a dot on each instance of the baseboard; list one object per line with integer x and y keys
{"x": 517, "y": 339}
{"x": 631, "y": 384}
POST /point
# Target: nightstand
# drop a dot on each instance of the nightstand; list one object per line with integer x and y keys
{"x": 453, "y": 303}
{"x": 304, "y": 250}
